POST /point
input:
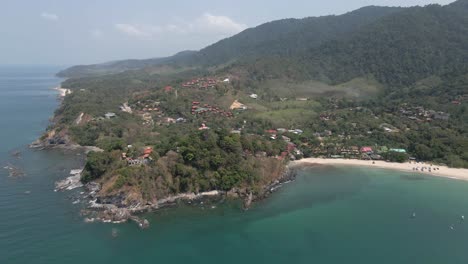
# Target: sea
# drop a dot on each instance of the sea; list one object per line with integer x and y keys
{"x": 328, "y": 215}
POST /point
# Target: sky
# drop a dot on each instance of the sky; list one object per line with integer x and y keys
{"x": 67, "y": 32}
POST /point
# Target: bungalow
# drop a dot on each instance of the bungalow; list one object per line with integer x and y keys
{"x": 254, "y": 96}
{"x": 203, "y": 127}
{"x": 170, "y": 120}
{"x": 367, "y": 150}
{"x": 281, "y": 130}
{"x": 110, "y": 115}
{"x": 354, "y": 150}
{"x": 148, "y": 150}
{"x": 236, "y": 105}
{"x": 298, "y": 131}
{"x": 441, "y": 116}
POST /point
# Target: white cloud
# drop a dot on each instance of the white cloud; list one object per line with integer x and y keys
{"x": 205, "y": 25}
{"x": 132, "y": 30}
{"x": 96, "y": 33}
{"x": 212, "y": 24}
{"x": 49, "y": 16}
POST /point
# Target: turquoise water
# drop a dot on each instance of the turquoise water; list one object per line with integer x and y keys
{"x": 328, "y": 215}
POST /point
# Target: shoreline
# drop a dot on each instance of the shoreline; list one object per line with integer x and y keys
{"x": 62, "y": 91}
{"x": 442, "y": 171}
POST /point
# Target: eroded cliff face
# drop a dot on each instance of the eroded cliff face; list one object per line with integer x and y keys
{"x": 272, "y": 174}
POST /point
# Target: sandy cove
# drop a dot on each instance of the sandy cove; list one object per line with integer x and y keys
{"x": 62, "y": 92}
{"x": 443, "y": 171}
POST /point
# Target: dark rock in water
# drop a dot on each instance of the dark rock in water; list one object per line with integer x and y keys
{"x": 14, "y": 171}
{"x": 16, "y": 154}
{"x": 115, "y": 233}
{"x": 145, "y": 224}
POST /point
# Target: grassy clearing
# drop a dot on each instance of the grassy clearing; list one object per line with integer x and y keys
{"x": 356, "y": 88}
{"x": 287, "y": 117}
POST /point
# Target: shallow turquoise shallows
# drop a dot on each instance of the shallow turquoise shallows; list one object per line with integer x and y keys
{"x": 328, "y": 215}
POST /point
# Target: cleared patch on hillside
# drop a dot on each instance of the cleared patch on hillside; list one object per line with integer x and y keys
{"x": 287, "y": 117}
{"x": 359, "y": 88}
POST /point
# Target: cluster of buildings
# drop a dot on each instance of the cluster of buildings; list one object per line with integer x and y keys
{"x": 363, "y": 152}
{"x": 203, "y": 83}
{"x": 327, "y": 116}
{"x": 459, "y": 99}
{"x": 198, "y": 109}
{"x": 418, "y": 113}
{"x": 147, "y": 106}
{"x": 144, "y": 159}
{"x": 274, "y": 133}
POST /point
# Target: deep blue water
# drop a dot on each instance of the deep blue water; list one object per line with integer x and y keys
{"x": 329, "y": 215}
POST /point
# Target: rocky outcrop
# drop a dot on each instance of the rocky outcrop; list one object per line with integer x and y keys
{"x": 288, "y": 176}
{"x": 14, "y": 171}
{"x": 71, "y": 182}
{"x": 51, "y": 139}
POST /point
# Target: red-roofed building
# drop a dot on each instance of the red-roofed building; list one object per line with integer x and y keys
{"x": 168, "y": 89}
{"x": 366, "y": 150}
{"x": 148, "y": 151}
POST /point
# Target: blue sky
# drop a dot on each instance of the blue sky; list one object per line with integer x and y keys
{"x": 70, "y": 32}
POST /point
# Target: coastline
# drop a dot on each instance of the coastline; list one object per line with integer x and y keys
{"x": 62, "y": 92}
{"x": 442, "y": 171}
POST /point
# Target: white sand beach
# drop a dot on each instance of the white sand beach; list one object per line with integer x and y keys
{"x": 441, "y": 171}
{"x": 62, "y": 92}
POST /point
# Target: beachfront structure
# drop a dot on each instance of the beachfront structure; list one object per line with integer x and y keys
{"x": 367, "y": 150}
{"x": 397, "y": 150}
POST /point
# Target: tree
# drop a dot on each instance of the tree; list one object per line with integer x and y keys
{"x": 96, "y": 165}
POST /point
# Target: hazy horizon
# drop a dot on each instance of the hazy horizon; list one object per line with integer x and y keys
{"x": 54, "y": 32}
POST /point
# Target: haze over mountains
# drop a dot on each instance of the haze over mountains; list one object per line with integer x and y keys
{"x": 396, "y": 46}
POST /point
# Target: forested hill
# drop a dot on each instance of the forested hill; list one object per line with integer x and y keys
{"x": 396, "y": 46}
{"x": 288, "y": 37}
{"x": 283, "y": 37}
{"x": 400, "y": 49}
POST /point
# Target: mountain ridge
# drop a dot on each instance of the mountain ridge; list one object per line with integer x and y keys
{"x": 250, "y": 42}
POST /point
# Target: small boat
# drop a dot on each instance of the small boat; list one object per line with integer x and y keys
{"x": 413, "y": 215}
{"x": 462, "y": 217}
